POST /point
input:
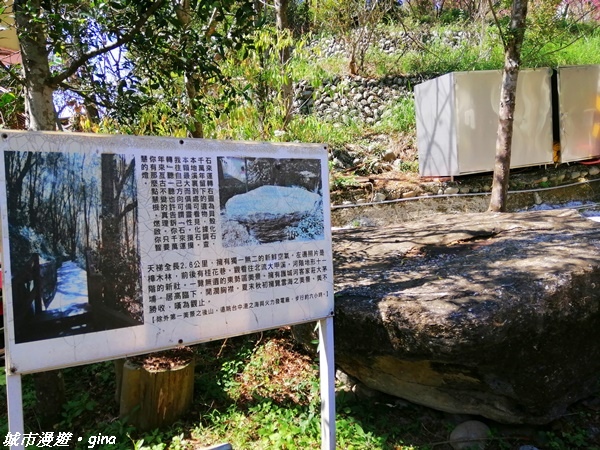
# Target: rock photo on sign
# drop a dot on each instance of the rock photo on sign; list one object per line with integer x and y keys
{"x": 265, "y": 200}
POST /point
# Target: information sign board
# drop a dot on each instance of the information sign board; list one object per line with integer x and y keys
{"x": 121, "y": 245}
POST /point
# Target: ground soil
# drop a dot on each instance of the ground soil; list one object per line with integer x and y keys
{"x": 395, "y": 184}
{"x": 167, "y": 360}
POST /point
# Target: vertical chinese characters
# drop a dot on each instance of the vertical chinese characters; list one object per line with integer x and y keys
{"x": 183, "y": 201}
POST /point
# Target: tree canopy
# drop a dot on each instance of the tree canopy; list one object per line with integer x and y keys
{"x": 109, "y": 56}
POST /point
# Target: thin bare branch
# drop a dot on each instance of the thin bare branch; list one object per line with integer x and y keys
{"x": 497, "y": 22}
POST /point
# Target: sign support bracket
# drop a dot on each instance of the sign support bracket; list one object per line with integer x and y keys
{"x": 14, "y": 393}
{"x": 327, "y": 380}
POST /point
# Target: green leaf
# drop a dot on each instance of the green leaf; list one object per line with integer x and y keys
{"x": 6, "y": 98}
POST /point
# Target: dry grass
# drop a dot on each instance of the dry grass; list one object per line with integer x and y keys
{"x": 278, "y": 371}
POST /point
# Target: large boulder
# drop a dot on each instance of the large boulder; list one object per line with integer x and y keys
{"x": 272, "y": 214}
{"x": 489, "y": 314}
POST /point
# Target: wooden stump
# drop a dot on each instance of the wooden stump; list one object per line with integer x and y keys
{"x": 156, "y": 389}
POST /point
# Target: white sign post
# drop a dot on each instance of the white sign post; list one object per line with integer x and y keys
{"x": 15, "y": 405}
{"x": 327, "y": 378}
{"x": 159, "y": 242}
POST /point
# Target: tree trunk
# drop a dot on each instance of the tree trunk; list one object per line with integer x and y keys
{"x": 33, "y": 186}
{"x": 50, "y": 396}
{"x": 184, "y": 15}
{"x": 110, "y": 229}
{"x": 15, "y": 182}
{"x": 39, "y": 103}
{"x": 41, "y": 116}
{"x": 282, "y": 22}
{"x": 196, "y": 128}
{"x": 512, "y": 61}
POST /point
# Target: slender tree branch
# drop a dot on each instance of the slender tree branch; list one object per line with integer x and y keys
{"x": 85, "y": 96}
{"x": 497, "y": 24}
{"x": 127, "y": 37}
{"x": 128, "y": 208}
{"x": 120, "y": 184}
{"x": 562, "y": 47}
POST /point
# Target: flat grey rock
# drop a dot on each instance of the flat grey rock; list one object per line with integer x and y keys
{"x": 489, "y": 314}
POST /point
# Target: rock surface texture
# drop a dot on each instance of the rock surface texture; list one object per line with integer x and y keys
{"x": 489, "y": 314}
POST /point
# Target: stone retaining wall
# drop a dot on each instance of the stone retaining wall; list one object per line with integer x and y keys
{"x": 345, "y": 99}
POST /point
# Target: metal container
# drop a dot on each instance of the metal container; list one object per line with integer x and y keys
{"x": 579, "y": 112}
{"x": 457, "y": 121}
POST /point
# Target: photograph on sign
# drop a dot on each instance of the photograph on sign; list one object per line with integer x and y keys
{"x": 115, "y": 246}
{"x": 74, "y": 257}
{"x": 270, "y": 200}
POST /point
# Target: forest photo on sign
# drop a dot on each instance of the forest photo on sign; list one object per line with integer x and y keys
{"x": 74, "y": 255}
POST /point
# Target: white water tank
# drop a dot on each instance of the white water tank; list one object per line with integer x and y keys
{"x": 457, "y": 121}
{"x": 579, "y": 112}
